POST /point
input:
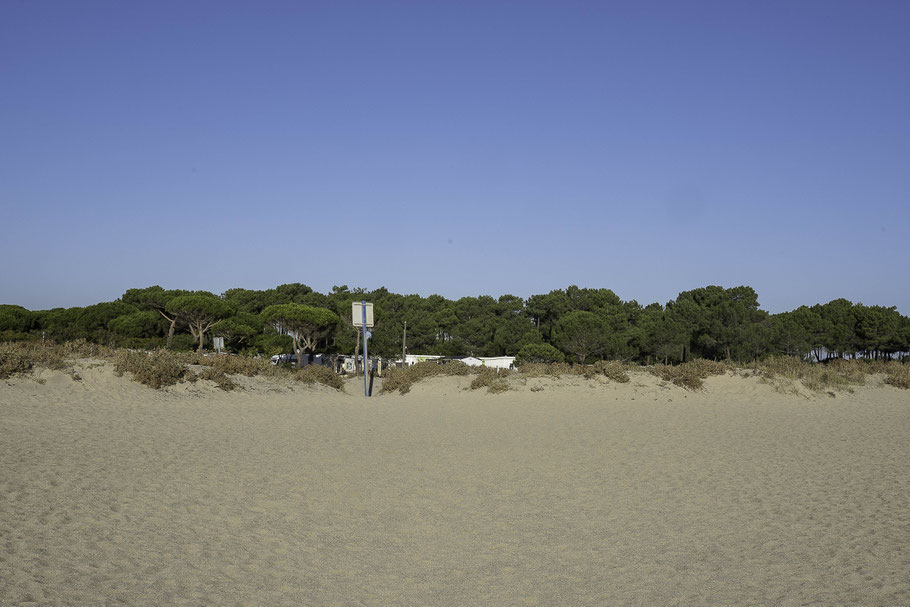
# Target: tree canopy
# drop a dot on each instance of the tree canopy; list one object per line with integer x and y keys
{"x": 581, "y": 324}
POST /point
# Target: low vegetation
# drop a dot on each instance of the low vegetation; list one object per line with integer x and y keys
{"x": 161, "y": 368}
{"x": 494, "y": 380}
{"x": 690, "y": 375}
{"x": 154, "y": 369}
{"x": 317, "y": 374}
{"x": 401, "y": 379}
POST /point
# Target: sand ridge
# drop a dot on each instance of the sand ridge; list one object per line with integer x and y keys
{"x": 580, "y": 493}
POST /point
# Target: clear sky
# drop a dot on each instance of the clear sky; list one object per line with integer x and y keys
{"x": 459, "y": 148}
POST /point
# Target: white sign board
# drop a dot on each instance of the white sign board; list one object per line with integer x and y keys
{"x": 357, "y": 313}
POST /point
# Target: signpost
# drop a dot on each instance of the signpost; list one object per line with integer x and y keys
{"x": 362, "y": 316}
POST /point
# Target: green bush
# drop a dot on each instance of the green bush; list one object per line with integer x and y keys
{"x": 538, "y": 353}
{"x": 320, "y": 374}
{"x": 16, "y": 336}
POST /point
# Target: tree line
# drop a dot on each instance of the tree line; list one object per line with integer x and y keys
{"x": 574, "y": 324}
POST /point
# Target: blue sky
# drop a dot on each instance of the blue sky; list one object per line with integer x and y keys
{"x": 459, "y": 148}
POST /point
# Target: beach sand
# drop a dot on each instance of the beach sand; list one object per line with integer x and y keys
{"x": 575, "y": 493}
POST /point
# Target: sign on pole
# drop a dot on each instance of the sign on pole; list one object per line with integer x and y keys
{"x": 362, "y": 313}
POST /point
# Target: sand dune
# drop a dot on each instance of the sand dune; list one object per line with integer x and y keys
{"x": 573, "y": 493}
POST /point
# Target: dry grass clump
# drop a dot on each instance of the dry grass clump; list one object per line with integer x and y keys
{"x": 690, "y": 375}
{"x": 218, "y": 377}
{"x": 154, "y": 369}
{"x": 545, "y": 369}
{"x": 493, "y": 380}
{"x": 898, "y": 375}
{"x": 80, "y": 348}
{"x": 613, "y": 369}
{"x": 238, "y": 365}
{"x": 14, "y": 360}
{"x": 22, "y": 357}
{"x": 835, "y": 374}
{"x": 321, "y": 375}
{"x": 401, "y": 379}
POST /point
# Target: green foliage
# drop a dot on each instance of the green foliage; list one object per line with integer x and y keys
{"x": 722, "y": 323}
{"x": 198, "y": 308}
{"x": 319, "y": 374}
{"x": 305, "y": 323}
{"x": 146, "y": 323}
{"x": 16, "y": 319}
{"x": 581, "y": 334}
{"x": 239, "y": 330}
{"x": 538, "y": 353}
{"x": 583, "y": 324}
{"x": 199, "y": 312}
{"x": 16, "y": 336}
{"x": 271, "y": 342}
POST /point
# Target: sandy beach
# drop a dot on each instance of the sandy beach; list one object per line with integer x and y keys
{"x": 558, "y": 492}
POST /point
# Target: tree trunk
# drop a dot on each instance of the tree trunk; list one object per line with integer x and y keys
{"x": 201, "y": 335}
{"x": 298, "y": 351}
{"x": 170, "y": 331}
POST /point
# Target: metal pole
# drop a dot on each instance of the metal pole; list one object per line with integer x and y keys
{"x": 363, "y": 308}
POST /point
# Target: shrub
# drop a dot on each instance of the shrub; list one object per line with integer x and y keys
{"x": 898, "y": 375}
{"x": 838, "y": 374}
{"x": 612, "y": 369}
{"x": 32, "y": 354}
{"x": 491, "y": 379}
{"x": 320, "y": 374}
{"x": 543, "y": 369}
{"x": 689, "y": 375}
{"x": 155, "y": 369}
{"x": 402, "y": 379}
{"x": 538, "y": 353}
{"x": 216, "y": 375}
{"x": 13, "y": 361}
{"x": 236, "y": 365}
